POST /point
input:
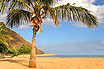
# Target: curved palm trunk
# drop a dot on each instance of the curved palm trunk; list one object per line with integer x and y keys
{"x": 32, "y": 62}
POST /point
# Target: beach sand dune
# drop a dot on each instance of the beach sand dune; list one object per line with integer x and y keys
{"x": 21, "y": 62}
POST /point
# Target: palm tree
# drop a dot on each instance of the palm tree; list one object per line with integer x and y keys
{"x": 34, "y": 11}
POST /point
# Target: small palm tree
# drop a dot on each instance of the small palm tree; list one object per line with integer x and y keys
{"x": 34, "y": 11}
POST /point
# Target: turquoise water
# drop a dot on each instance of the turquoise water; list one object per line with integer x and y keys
{"x": 75, "y": 56}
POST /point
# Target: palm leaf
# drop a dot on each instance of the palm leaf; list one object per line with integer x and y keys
{"x": 17, "y": 17}
{"x": 14, "y": 4}
{"x": 77, "y": 14}
{"x": 3, "y": 5}
{"x": 54, "y": 17}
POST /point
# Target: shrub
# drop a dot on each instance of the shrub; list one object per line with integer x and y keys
{"x": 12, "y": 52}
{"x": 3, "y": 48}
{"x": 24, "y": 49}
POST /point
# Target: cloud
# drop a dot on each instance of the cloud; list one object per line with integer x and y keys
{"x": 84, "y": 48}
{"x": 80, "y": 25}
{"x": 100, "y": 14}
{"x": 3, "y": 17}
{"x": 25, "y": 26}
{"x": 98, "y": 10}
{"x": 49, "y": 22}
{"x": 102, "y": 41}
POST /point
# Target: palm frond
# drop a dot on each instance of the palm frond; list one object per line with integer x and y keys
{"x": 20, "y": 4}
{"x": 47, "y": 5}
{"x": 54, "y": 17}
{"x": 3, "y": 5}
{"x": 17, "y": 17}
{"x": 73, "y": 13}
{"x": 15, "y": 4}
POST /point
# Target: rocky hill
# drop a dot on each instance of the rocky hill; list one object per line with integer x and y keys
{"x": 18, "y": 41}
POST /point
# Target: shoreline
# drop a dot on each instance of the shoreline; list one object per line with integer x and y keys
{"x": 60, "y": 56}
{"x": 46, "y": 55}
{"x": 21, "y": 62}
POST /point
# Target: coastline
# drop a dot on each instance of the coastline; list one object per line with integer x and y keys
{"x": 62, "y": 56}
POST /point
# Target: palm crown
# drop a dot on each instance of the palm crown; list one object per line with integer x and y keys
{"x": 25, "y": 10}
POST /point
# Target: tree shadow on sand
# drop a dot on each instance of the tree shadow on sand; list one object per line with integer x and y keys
{"x": 20, "y": 61}
{"x": 15, "y": 61}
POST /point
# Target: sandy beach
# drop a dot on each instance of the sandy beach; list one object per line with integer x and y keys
{"x": 21, "y": 62}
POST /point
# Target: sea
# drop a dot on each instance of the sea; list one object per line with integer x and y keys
{"x": 89, "y": 56}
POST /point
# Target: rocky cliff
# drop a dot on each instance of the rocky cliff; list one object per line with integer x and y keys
{"x": 17, "y": 41}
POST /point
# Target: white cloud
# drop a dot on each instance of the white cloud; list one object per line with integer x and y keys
{"x": 3, "y": 17}
{"x": 24, "y": 26}
{"x": 80, "y": 25}
{"x": 98, "y": 10}
{"x": 49, "y": 22}
{"x": 102, "y": 41}
{"x": 82, "y": 48}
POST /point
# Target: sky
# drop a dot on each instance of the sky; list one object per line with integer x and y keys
{"x": 72, "y": 38}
